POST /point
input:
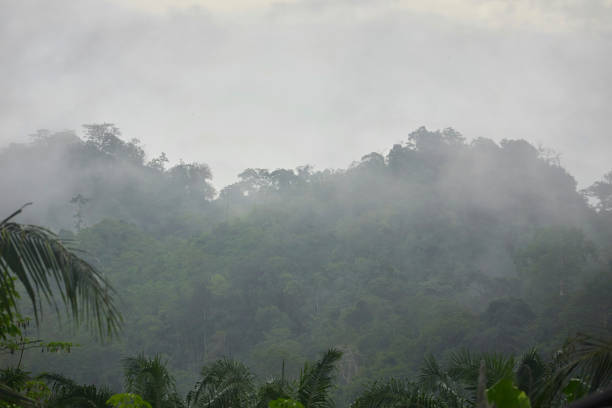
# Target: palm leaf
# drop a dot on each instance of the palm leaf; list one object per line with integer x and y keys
{"x": 150, "y": 378}
{"x": 7, "y": 394}
{"x": 14, "y": 378}
{"x": 531, "y": 372}
{"x": 584, "y": 356}
{"x": 37, "y": 257}
{"x": 593, "y": 359}
{"x": 465, "y": 366}
{"x": 272, "y": 390}
{"x": 225, "y": 383}
{"x": 57, "y": 381}
{"x": 81, "y": 396}
{"x": 396, "y": 393}
{"x": 65, "y": 393}
{"x": 316, "y": 381}
{"x": 437, "y": 381}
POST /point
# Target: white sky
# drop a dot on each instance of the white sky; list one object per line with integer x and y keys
{"x": 258, "y": 83}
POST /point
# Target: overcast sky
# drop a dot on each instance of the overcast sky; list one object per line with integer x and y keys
{"x": 259, "y": 83}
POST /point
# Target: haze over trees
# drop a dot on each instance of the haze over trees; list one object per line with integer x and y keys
{"x": 439, "y": 245}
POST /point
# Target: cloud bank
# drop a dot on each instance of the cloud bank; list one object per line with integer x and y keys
{"x": 258, "y": 83}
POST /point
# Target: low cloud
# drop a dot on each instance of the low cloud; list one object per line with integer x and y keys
{"x": 280, "y": 84}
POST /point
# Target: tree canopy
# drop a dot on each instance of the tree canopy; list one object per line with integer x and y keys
{"x": 437, "y": 245}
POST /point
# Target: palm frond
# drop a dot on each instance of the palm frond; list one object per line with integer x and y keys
{"x": 56, "y": 381}
{"x": 435, "y": 380}
{"x": 37, "y": 257}
{"x": 396, "y": 393}
{"x": 586, "y": 357}
{"x": 531, "y": 372}
{"x": 150, "y": 378}
{"x": 14, "y": 378}
{"x": 593, "y": 359}
{"x": 66, "y": 393}
{"x": 316, "y": 381}
{"x": 273, "y": 389}
{"x": 7, "y": 394}
{"x": 464, "y": 368}
{"x": 225, "y": 383}
{"x": 431, "y": 373}
{"x": 81, "y": 396}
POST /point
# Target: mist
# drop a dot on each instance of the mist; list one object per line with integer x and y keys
{"x": 305, "y": 200}
{"x": 278, "y": 85}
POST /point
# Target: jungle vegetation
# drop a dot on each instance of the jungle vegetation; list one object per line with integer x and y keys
{"x": 415, "y": 265}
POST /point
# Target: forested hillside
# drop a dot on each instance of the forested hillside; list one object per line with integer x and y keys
{"x": 437, "y": 245}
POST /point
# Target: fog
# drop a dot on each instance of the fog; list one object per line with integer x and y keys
{"x": 280, "y": 84}
{"x": 261, "y": 181}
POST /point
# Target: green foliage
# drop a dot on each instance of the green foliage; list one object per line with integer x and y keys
{"x": 10, "y": 398}
{"x": 276, "y": 389}
{"x": 22, "y": 343}
{"x": 504, "y": 394}
{"x": 575, "y": 389}
{"x": 457, "y": 385}
{"x": 437, "y": 381}
{"x": 285, "y": 403}
{"x": 532, "y": 372}
{"x": 587, "y": 358}
{"x": 127, "y": 400}
{"x": 396, "y": 393}
{"x": 316, "y": 381}
{"x": 552, "y": 262}
{"x": 225, "y": 383}
{"x": 464, "y": 367}
{"x": 37, "y": 390}
{"x": 67, "y": 393}
{"x": 37, "y": 257}
{"x": 438, "y": 246}
{"x": 9, "y": 318}
{"x": 150, "y": 378}
{"x": 15, "y": 378}
{"x": 602, "y": 191}
{"x": 17, "y": 386}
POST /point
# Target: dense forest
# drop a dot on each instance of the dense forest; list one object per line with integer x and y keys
{"x": 438, "y": 246}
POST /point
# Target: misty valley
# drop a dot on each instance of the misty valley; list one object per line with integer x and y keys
{"x": 445, "y": 272}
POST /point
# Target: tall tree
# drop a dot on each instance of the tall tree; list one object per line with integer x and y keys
{"x": 602, "y": 192}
